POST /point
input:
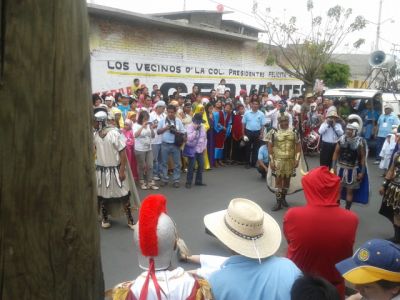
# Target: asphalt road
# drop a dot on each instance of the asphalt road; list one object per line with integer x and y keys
{"x": 188, "y": 207}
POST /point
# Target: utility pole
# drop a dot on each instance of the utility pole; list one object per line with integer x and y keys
{"x": 378, "y": 26}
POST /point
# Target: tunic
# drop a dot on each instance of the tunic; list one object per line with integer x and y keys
{"x": 109, "y": 186}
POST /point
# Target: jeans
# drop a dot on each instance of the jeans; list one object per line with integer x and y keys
{"x": 166, "y": 150}
{"x": 379, "y": 144}
{"x": 199, "y": 157}
{"x": 156, "y": 159}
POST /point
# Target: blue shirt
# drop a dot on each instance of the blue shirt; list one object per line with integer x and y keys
{"x": 167, "y": 136}
{"x": 385, "y": 123}
{"x": 254, "y": 121}
{"x": 241, "y": 278}
{"x": 124, "y": 110}
{"x": 369, "y": 118}
{"x": 263, "y": 154}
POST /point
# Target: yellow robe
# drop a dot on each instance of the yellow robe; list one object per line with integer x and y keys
{"x": 197, "y": 110}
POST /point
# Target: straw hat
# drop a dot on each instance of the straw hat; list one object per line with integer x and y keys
{"x": 332, "y": 114}
{"x": 246, "y": 229}
{"x": 309, "y": 95}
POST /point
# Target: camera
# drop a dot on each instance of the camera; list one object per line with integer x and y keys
{"x": 172, "y": 129}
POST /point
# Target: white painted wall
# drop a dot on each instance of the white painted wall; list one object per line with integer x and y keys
{"x": 121, "y": 52}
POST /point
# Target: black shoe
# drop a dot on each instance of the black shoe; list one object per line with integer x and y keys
{"x": 200, "y": 184}
{"x": 348, "y": 205}
{"x": 396, "y": 238}
{"x": 188, "y": 185}
{"x": 284, "y": 203}
{"x": 163, "y": 183}
{"x": 247, "y": 167}
{"x": 277, "y": 206}
{"x": 176, "y": 185}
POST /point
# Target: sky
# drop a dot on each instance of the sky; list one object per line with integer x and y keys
{"x": 242, "y": 12}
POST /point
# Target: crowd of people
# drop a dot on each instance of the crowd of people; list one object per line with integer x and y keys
{"x": 153, "y": 139}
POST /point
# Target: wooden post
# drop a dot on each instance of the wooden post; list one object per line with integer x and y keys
{"x": 49, "y": 236}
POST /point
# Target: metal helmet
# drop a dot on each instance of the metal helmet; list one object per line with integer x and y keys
{"x": 355, "y": 118}
{"x": 353, "y": 126}
{"x": 100, "y": 116}
{"x": 155, "y": 234}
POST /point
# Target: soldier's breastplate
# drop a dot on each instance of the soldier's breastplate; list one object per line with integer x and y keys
{"x": 396, "y": 178}
{"x": 284, "y": 144}
{"x": 348, "y": 157}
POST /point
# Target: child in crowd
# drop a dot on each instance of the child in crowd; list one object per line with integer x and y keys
{"x": 387, "y": 151}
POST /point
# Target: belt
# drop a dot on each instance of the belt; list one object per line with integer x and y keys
{"x": 253, "y": 130}
{"x": 329, "y": 142}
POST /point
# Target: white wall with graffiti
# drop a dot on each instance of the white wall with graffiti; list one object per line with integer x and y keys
{"x": 121, "y": 52}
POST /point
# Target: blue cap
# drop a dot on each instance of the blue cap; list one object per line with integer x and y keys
{"x": 375, "y": 260}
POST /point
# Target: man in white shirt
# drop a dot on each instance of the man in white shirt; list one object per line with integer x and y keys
{"x": 275, "y": 97}
{"x": 155, "y": 117}
{"x": 331, "y": 130}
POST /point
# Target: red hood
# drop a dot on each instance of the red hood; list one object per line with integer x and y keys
{"x": 321, "y": 187}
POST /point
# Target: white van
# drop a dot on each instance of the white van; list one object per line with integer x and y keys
{"x": 377, "y": 96}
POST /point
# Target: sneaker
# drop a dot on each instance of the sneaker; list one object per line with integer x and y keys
{"x": 131, "y": 226}
{"x": 176, "y": 185}
{"x": 200, "y": 184}
{"x": 377, "y": 162}
{"x": 144, "y": 186}
{"x": 188, "y": 185}
{"x": 156, "y": 178}
{"x": 105, "y": 224}
{"x": 152, "y": 185}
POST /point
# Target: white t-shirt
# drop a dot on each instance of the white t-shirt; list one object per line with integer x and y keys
{"x": 154, "y": 118}
{"x": 220, "y": 89}
{"x": 143, "y": 141}
{"x": 297, "y": 108}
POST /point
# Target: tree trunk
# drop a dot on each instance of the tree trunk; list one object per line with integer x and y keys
{"x": 49, "y": 237}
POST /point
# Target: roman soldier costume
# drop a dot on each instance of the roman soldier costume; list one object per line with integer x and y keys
{"x": 285, "y": 157}
{"x": 390, "y": 207}
{"x": 349, "y": 163}
{"x": 114, "y": 195}
{"x": 155, "y": 239}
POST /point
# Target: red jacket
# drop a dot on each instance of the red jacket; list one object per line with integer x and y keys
{"x": 320, "y": 234}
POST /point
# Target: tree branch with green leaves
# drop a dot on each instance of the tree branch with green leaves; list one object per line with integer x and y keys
{"x": 303, "y": 55}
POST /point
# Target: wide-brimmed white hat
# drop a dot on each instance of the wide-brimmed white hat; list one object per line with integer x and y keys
{"x": 246, "y": 229}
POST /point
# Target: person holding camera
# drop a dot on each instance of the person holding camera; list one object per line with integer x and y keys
{"x": 144, "y": 133}
{"x": 173, "y": 134}
{"x": 156, "y": 116}
{"x": 194, "y": 149}
{"x": 330, "y": 131}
